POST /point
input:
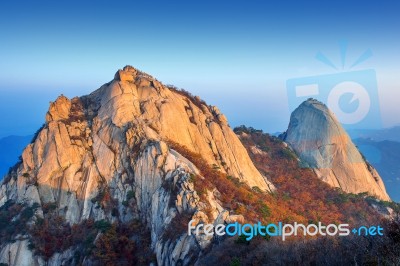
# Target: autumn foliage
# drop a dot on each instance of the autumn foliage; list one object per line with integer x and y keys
{"x": 300, "y": 193}
{"x": 300, "y": 196}
{"x": 101, "y": 242}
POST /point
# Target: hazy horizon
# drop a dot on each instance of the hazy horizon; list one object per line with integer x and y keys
{"x": 238, "y": 57}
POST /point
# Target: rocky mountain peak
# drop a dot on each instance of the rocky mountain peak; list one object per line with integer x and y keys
{"x": 109, "y": 156}
{"x": 59, "y": 109}
{"x": 321, "y": 142}
{"x": 128, "y": 73}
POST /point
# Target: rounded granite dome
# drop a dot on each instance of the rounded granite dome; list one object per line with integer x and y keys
{"x": 320, "y": 140}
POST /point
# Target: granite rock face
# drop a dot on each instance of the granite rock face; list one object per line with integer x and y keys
{"x": 117, "y": 139}
{"x": 321, "y": 142}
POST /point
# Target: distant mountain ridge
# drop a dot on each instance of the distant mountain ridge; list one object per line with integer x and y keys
{"x": 11, "y": 148}
{"x": 385, "y": 157}
{"x": 392, "y": 134}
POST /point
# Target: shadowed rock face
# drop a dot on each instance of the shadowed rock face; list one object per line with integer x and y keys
{"x": 318, "y": 138}
{"x": 117, "y": 139}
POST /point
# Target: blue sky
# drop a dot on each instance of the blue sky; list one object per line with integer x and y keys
{"x": 234, "y": 54}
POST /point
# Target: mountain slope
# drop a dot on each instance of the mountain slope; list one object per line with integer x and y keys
{"x": 318, "y": 138}
{"x": 300, "y": 190}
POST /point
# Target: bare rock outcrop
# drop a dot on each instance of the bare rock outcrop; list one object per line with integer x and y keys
{"x": 320, "y": 141}
{"x": 59, "y": 109}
